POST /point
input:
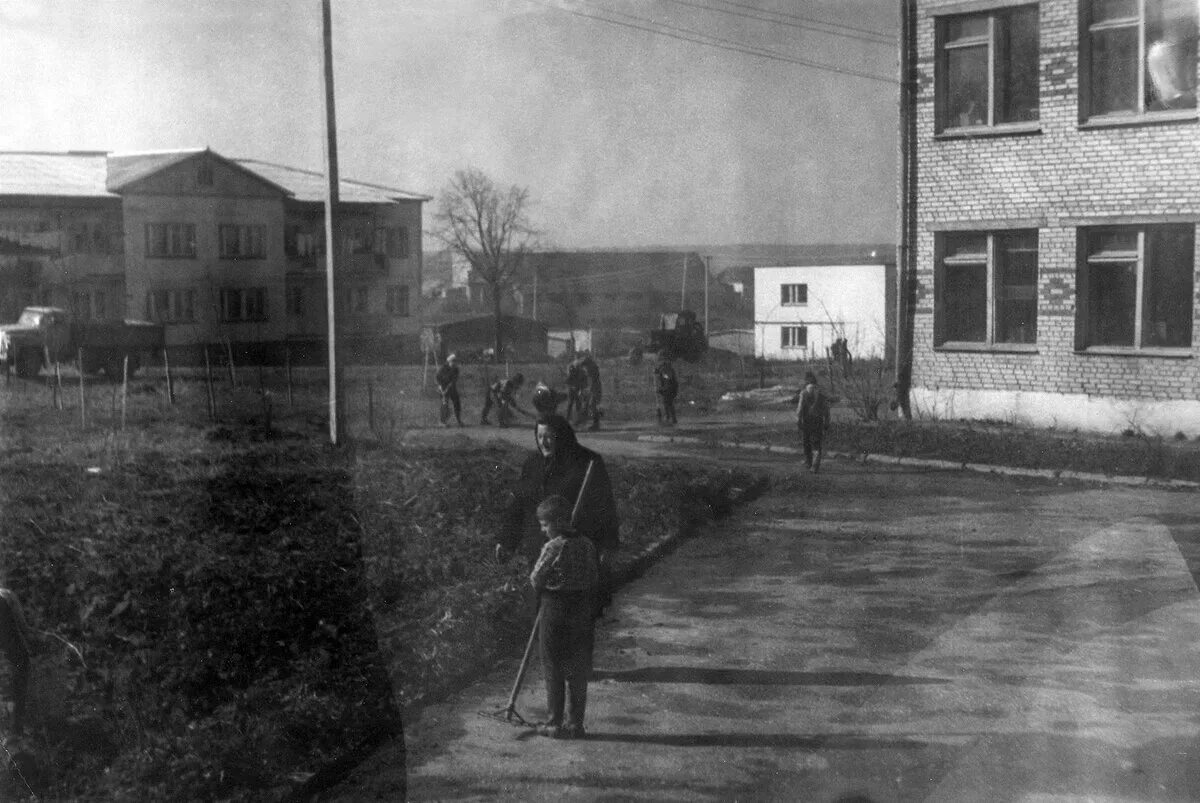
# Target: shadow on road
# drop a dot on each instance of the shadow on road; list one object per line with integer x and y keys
{"x": 776, "y": 740}
{"x": 757, "y": 677}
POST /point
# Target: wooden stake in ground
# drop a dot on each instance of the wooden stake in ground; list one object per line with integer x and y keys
{"x": 229, "y": 356}
{"x": 82, "y": 397}
{"x": 58, "y": 391}
{"x": 167, "y": 371}
{"x": 124, "y": 387}
{"x": 208, "y": 384}
{"x": 371, "y": 405}
{"x": 287, "y": 367}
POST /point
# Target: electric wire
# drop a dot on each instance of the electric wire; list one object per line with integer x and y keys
{"x": 867, "y": 31}
{"x": 862, "y": 35}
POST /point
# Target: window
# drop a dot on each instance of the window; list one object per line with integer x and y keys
{"x": 303, "y": 243}
{"x": 171, "y": 240}
{"x": 1135, "y": 286}
{"x": 397, "y": 300}
{"x": 793, "y": 337}
{"x": 1139, "y": 56}
{"x": 242, "y": 242}
{"x": 793, "y": 294}
{"x": 362, "y": 299}
{"x": 987, "y": 68}
{"x": 89, "y": 306}
{"x": 358, "y": 237}
{"x": 247, "y": 304}
{"x": 295, "y": 302}
{"x": 987, "y": 288}
{"x": 392, "y": 241}
{"x": 171, "y": 306}
{"x": 204, "y": 173}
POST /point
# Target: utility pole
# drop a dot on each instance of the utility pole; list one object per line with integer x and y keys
{"x": 683, "y": 287}
{"x": 336, "y": 391}
{"x": 535, "y": 273}
{"x": 707, "y": 279}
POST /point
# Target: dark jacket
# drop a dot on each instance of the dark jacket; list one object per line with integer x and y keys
{"x": 665, "y": 380}
{"x": 447, "y": 377}
{"x": 563, "y": 475}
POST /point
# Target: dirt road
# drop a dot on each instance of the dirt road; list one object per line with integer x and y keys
{"x": 869, "y": 633}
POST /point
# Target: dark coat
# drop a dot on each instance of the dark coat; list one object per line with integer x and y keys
{"x": 562, "y": 475}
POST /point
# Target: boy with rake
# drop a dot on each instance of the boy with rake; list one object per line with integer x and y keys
{"x": 565, "y": 577}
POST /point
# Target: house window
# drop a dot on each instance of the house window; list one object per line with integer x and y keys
{"x": 791, "y": 295}
{"x": 204, "y": 173}
{"x": 299, "y": 242}
{"x": 362, "y": 299}
{"x": 245, "y": 304}
{"x": 397, "y": 300}
{"x": 793, "y": 337}
{"x": 171, "y": 306}
{"x": 1138, "y": 56}
{"x": 166, "y": 240}
{"x": 987, "y": 68}
{"x": 241, "y": 241}
{"x": 987, "y": 287}
{"x": 392, "y": 241}
{"x": 295, "y": 302}
{"x": 358, "y": 238}
{"x": 1135, "y": 286}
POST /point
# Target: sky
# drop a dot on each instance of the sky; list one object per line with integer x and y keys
{"x": 625, "y": 133}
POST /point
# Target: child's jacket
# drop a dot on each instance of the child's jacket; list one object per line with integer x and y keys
{"x": 566, "y": 564}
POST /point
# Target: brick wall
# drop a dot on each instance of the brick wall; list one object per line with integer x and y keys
{"x": 1056, "y": 179}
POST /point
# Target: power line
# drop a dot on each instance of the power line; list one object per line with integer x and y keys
{"x": 852, "y": 33}
{"x": 766, "y": 54}
{"x": 852, "y": 28}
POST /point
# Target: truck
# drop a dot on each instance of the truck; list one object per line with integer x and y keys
{"x": 679, "y": 334}
{"x": 49, "y": 333}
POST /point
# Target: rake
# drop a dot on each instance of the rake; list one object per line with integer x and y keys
{"x": 509, "y": 713}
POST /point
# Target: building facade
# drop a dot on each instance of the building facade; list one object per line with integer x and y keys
{"x": 1057, "y": 153}
{"x": 799, "y": 311}
{"x": 219, "y": 250}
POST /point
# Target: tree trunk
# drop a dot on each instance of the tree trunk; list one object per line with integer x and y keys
{"x": 499, "y": 324}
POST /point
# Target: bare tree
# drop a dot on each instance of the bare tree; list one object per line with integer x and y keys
{"x": 489, "y": 227}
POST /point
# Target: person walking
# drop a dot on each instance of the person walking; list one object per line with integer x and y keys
{"x": 812, "y": 418}
{"x": 447, "y": 382}
{"x": 666, "y": 385}
{"x": 594, "y": 392}
{"x": 503, "y": 396}
{"x": 565, "y": 579}
{"x": 576, "y": 382}
{"x": 558, "y": 467}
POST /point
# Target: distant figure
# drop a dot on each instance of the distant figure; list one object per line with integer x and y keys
{"x": 14, "y": 643}
{"x": 447, "y": 382}
{"x": 812, "y": 418}
{"x": 565, "y": 578}
{"x": 593, "y": 392}
{"x": 636, "y": 354}
{"x": 545, "y": 399}
{"x": 840, "y": 352}
{"x": 576, "y": 382}
{"x": 503, "y": 396}
{"x": 666, "y": 385}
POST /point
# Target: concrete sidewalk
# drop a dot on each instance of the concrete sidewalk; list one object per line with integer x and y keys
{"x": 870, "y": 633}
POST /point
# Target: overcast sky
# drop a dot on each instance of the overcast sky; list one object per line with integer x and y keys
{"x": 624, "y": 136}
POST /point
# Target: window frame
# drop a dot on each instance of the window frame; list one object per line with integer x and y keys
{"x": 1142, "y": 112}
{"x": 178, "y": 239}
{"x": 990, "y": 261}
{"x": 398, "y": 300}
{"x": 1086, "y": 260}
{"x": 793, "y": 294}
{"x": 799, "y": 332}
{"x": 254, "y": 235}
{"x": 171, "y": 306}
{"x": 992, "y": 44}
{"x": 251, "y": 304}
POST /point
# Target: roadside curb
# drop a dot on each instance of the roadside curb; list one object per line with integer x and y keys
{"x": 951, "y": 465}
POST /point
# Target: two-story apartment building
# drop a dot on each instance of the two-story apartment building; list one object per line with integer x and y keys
{"x": 219, "y": 250}
{"x": 1056, "y": 147}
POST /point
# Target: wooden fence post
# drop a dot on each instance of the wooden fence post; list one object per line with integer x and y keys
{"x": 124, "y": 388}
{"x": 82, "y": 397}
{"x": 371, "y": 405}
{"x": 58, "y": 391}
{"x": 208, "y": 384}
{"x": 287, "y": 367}
{"x": 170, "y": 384}
{"x": 229, "y": 356}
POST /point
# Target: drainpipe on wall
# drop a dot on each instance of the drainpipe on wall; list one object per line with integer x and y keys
{"x": 907, "y": 239}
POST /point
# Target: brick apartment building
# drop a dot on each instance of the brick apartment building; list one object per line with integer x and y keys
{"x": 1056, "y": 153}
{"x": 215, "y": 248}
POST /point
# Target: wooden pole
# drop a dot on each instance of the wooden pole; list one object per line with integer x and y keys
{"x": 229, "y": 357}
{"x": 332, "y": 285}
{"x": 58, "y": 391}
{"x": 82, "y": 397}
{"x": 287, "y": 367}
{"x": 371, "y": 405}
{"x": 208, "y": 383}
{"x": 124, "y": 387}
{"x": 170, "y": 384}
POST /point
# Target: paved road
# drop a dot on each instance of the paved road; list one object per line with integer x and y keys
{"x": 871, "y": 634}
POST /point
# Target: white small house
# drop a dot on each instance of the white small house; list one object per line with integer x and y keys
{"x": 799, "y": 311}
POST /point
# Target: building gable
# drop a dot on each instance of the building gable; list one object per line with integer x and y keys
{"x": 187, "y": 173}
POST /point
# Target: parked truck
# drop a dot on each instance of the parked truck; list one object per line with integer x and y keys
{"x": 680, "y": 334}
{"x": 48, "y": 333}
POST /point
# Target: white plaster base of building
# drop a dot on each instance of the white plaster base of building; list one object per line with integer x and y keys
{"x": 1066, "y": 411}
